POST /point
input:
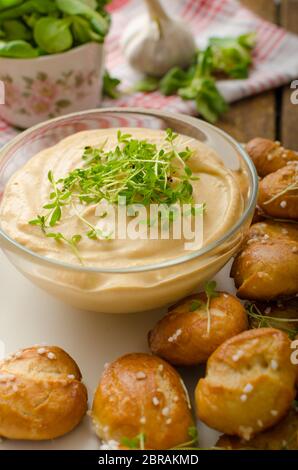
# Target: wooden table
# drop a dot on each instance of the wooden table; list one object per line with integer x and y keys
{"x": 269, "y": 114}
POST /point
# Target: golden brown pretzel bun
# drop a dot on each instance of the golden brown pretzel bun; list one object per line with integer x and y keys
{"x": 283, "y": 436}
{"x": 249, "y": 384}
{"x": 41, "y": 394}
{"x": 269, "y": 156}
{"x": 182, "y": 337}
{"x": 267, "y": 266}
{"x": 140, "y": 393}
{"x": 285, "y": 204}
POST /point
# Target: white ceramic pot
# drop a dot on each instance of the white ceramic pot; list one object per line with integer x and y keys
{"x": 45, "y": 87}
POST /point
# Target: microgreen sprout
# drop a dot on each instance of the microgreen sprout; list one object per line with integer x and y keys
{"x": 210, "y": 290}
{"x": 196, "y": 304}
{"x": 135, "y": 443}
{"x": 291, "y": 187}
{"x": 265, "y": 321}
{"x": 72, "y": 242}
{"x": 193, "y": 441}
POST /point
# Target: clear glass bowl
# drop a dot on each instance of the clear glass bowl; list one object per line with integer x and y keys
{"x": 137, "y": 288}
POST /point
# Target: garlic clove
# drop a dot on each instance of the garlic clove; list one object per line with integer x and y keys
{"x": 154, "y": 44}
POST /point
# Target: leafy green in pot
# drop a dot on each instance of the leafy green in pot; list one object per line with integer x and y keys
{"x": 16, "y": 30}
{"x": 17, "y": 49}
{"x": 9, "y": 4}
{"x": 53, "y": 35}
{"x": 50, "y": 26}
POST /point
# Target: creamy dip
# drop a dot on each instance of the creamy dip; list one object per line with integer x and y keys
{"x": 29, "y": 188}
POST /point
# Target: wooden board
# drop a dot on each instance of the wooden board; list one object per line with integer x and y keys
{"x": 289, "y": 111}
{"x": 254, "y": 116}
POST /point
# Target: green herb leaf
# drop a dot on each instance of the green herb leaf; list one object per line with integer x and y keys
{"x": 171, "y": 136}
{"x": 232, "y": 55}
{"x": 17, "y": 49}
{"x": 175, "y": 79}
{"x": 56, "y": 216}
{"x": 265, "y": 321}
{"x": 99, "y": 22}
{"x": 192, "y": 444}
{"x": 134, "y": 443}
{"x": 4, "y": 4}
{"x": 193, "y": 432}
{"x": 147, "y": 84}
{"x": 53, "y": 35}
{"x": 50, "y": 177}
{"x": 210, "y": 290}
{"x": 110, "y": 85}
{"x": 56, "y": 235}
{"x": 40, "y": 221}
{"x": 16, "y": 30}
{"x": 123, "y": 138}
{"x": 195, "y": 305}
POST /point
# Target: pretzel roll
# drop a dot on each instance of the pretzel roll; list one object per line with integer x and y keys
{"x": 182, "y": 336}
{"x": 269, "y": 156}
{"x": 140, "y": 394}
{"x": 283, "y": 436}
{"x": 267, "y": 266}
{"x": 249, "y": 384}
{"x": 41, "y": 394}
{"x": 278, "y": 193}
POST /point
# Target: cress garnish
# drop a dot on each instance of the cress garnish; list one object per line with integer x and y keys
{"x": 291, "y": 187}
{"x": 136, "y": 170}
{"x": 135, "y": 443}
{"x": 196, "y": 304}
{"x": 265, "y": 321}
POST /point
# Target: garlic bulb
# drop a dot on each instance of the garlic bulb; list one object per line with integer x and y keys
{"x": 154, "y": 43}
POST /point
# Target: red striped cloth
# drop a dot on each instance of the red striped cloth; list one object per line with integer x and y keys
{"x": 275, "y": 57}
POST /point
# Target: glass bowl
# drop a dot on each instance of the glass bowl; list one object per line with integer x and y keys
{"x": 136, "y": 288}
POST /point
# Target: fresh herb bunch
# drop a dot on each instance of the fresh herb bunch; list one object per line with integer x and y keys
{"x": 229, "y": 56}
{"x": 266, "y": 321}
{"x": 232, "y": 56}
{"x": 136, "y": 170}
{"x": 31, "y": 28}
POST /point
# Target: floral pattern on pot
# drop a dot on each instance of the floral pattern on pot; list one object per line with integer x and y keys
{"x": 44, "y": 96}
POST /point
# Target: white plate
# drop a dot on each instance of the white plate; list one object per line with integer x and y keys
{"x": 29, "y": 316}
